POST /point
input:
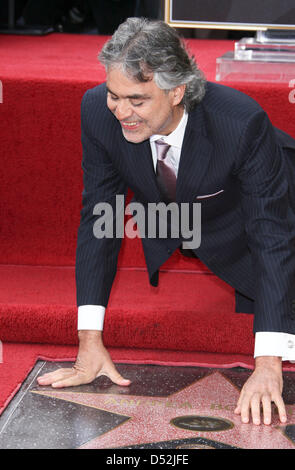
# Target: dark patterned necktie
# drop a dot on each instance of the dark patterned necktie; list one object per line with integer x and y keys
{"x": 165, "y": 174}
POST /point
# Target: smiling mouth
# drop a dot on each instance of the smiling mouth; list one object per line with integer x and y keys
{"x": 130, "y": 125}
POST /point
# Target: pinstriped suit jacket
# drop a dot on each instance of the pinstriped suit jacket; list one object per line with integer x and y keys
{"x": 248, "y": 228}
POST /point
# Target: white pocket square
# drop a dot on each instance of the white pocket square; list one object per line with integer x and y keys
{"x": 210, "y": 195}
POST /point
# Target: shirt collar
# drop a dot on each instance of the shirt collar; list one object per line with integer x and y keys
{"x": 176, "y": 137}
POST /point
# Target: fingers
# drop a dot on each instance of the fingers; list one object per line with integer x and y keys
{"x": 251, "y": 404}
{"x": 69, "y": 377}
{"x": 243, "y": 407}
{"x": 281, "y": 409}
{"x": 71, "y": 381}
{"x": 52, "y": 377}
{"x": 62, "y": 378}
{"x": 266, "y": 405}
{"x": 255, "y": 409}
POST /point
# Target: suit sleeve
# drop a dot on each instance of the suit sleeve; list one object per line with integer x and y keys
{"x": 96, "y": 258}
{"x": 269, "y": 223}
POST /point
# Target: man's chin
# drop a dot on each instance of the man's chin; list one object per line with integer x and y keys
{"x": 134, "y": 138}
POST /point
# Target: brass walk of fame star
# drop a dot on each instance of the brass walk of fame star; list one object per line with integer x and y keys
{"x": 203, "y": 409}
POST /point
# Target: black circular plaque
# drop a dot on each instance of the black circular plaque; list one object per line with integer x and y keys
{"x": 201, "y": 423}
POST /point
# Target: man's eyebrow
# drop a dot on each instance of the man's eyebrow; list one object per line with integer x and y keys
{"x": 135, "y": 96}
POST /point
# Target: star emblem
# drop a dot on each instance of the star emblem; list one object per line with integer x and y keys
{"x": 202, "y": 409}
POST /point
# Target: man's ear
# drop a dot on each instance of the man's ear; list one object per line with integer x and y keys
{"x": 178, "y": 93}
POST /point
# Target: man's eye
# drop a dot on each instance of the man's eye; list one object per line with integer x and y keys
{"x": 112, "y": 97}
{"x": 137, "y": 104}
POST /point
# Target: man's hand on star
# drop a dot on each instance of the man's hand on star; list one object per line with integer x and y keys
{"x": 263, "y": 387}
{"x": 92, "y": 361}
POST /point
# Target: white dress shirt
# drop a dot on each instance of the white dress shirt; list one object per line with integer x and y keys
{"x": 91, "y": 317}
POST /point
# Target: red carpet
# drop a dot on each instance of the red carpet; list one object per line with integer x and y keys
{"x": 181, "y": 314}
{"x": 191, "y": 312}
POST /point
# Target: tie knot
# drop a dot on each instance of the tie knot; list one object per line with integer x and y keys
{"x": 162, "y": 149}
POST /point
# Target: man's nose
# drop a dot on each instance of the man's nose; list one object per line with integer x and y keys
{"x": 123, "y": 110}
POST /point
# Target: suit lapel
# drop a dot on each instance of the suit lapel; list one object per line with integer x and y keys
{"x": 195, "y": 157}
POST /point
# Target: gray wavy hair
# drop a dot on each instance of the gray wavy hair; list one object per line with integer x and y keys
{"x": 142, "y": 46}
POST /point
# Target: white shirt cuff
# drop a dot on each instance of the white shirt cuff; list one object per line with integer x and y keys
{"x": 91, "y": 317}
{"x": 275, "y": 344}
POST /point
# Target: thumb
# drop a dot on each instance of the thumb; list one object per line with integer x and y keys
{"x": 118, "y": 379}
{"x": 238, "y": 405}
{"x": 111, "y": 372}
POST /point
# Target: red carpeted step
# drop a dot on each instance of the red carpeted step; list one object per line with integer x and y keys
{"x": 187, "y": 311}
